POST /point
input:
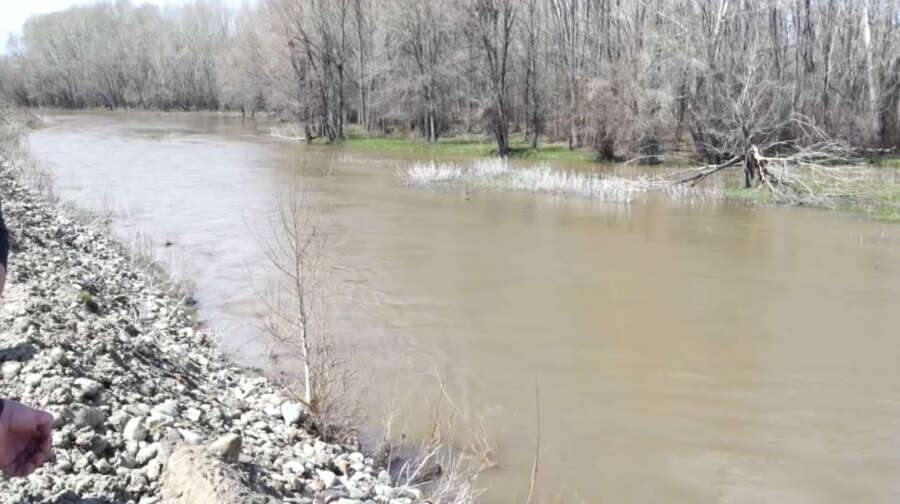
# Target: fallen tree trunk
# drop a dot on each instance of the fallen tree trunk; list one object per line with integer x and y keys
{"x": 694, "y": 179}
{"x": 754, "y": 169}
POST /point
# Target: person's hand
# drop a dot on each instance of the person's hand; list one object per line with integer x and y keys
{"x": 24, "y": 438}
{"x": 2, "y": 279}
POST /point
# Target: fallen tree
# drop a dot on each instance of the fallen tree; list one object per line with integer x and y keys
{"x": 826, "y": 174}
{"x": 754, "y": 169}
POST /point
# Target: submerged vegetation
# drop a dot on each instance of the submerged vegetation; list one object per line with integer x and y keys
{"x": 497, "y": 174}
{"x": 858, "y": 188}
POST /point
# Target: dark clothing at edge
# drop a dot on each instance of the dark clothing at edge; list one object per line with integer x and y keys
{"x": 4, "y": 240}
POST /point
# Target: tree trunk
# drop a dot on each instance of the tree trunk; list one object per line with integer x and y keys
{"x": 871, "y": 83}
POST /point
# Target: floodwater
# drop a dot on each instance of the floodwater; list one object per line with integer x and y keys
{"x": 684, "y": 352}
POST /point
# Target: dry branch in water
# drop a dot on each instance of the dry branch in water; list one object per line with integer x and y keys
{"x": 532, "y": 488}
{"x": 446, "y": 463}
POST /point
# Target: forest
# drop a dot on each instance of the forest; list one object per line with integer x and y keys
{"x": 625, "y": 79}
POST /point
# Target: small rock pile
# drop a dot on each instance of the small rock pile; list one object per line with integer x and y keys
{"x": 146, "y": 410}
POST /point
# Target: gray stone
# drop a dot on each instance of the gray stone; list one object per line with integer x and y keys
{"x": 83, "y": 484}
{"x": 10, "y": 369}
{"x": 126, "y": 460}
{"x": 294, "y": 466}
{"x": 89, "y": 388}
{"x": 33, "y": 379}
{"x": 153, "y": 470}
{"x": 169, "y": 442}
{"x": 272, "y": 410}
{"x": 103, "y": 466}
{"x": 294, "y": 412}
{"x": 118, "y": 420}
{"x": 62, "y": 439}
{"x": 407, "y": 493}
{"x": 192, "y": 437}
{"x": 137, "y": 482}
{"x": 58, "y": 355}
{"x": 193, "y": 414}
{"x": 227, "y": 447}
{"x": 354, "y": 491}
{"x": 146, "y": 454}
{"x": 99, "y": 445}
{"x": 135, "y": 430}
{"x": 87, "y": 416}
{"x": 327, "y": 477}
{"x": 166, "y": 409}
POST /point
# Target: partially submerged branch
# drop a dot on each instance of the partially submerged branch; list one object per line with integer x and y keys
{"x": 826, "y": 174}
{"x": 707, "y": 171}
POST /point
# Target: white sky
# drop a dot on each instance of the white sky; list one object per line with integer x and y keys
{"x": 13, "y": 13}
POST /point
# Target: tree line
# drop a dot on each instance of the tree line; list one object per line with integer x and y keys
{"x": 625, "y": 78}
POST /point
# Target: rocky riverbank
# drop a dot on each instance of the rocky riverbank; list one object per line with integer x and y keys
{"x": 146, "y": 408}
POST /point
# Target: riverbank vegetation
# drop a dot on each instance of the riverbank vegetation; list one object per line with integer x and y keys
{"x": 803, "y": 179}
{"x": 496, "y": 174}
{"x": 620, "y": 80}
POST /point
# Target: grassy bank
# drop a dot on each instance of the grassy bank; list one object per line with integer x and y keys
{"x": 469, "y": 145}
{"x": 880, "y": 202}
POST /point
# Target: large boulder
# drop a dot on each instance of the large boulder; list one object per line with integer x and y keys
{"x": 193, "y": 475}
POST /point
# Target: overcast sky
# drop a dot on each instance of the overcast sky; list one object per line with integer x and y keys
{"x": 13, "y": 13}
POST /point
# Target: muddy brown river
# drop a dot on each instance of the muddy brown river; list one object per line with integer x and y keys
{"x": 685, "y": 351}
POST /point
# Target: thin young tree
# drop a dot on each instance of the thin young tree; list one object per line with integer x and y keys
{"x": 298, "y": 303}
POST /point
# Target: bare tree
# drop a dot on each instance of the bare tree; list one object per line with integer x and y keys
{"x": 531, "y": 61}
{"x": 624, "y": 78}
{"x": 491, "y": 25}
{"x": 299, "y": 309}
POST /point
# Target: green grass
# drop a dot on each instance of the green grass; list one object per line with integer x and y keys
{"x": 475, "y": 146}
{"x": 753, "y": 194}
{"x": 888, "y": 213}
{"x": 889, "y": 162}
{"x": 890, "y": 193}
{"x": 882, "y": 203}
{"x": 886, "y": 204}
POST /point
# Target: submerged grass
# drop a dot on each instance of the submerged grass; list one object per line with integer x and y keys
{"x": 859, "y": 191}
{"x": 754, "y": 194}
{"x": 889, "y": 162}
{"x": 497, "y": 174}
{"x": 886, "y": 203}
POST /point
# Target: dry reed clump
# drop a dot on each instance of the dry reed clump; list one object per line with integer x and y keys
{"x": 288, "y": 131}
{"x": 497, "y": 174}
{"x": 446, "y": 463}
{"x": 430, "y": 174}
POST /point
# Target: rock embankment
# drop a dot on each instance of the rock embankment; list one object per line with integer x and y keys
{"x": 146, "y": 409}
